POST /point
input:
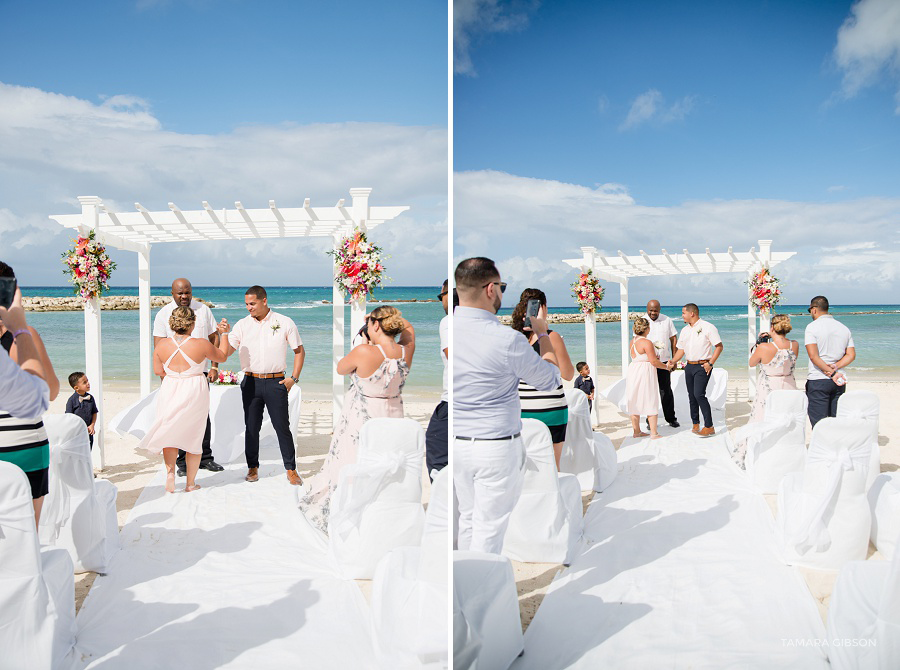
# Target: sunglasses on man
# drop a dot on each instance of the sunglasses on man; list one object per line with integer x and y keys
{"x": 501, "y": 284}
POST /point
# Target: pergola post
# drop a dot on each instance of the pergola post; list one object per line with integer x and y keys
{"x": 590, "y": 323}
{"x": 751, "y": 340}
{"x": 337, "y": 343}
{"x": 623, "y": 307}
{"x": 765, "y": 255}
{"x": 146, "y": 342}
{"x": 93, "y": 356}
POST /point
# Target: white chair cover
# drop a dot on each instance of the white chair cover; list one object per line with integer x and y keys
{"x": 80, "y": 510}
{"x": 864, "y": 405}
{"x": 37, "y": 586}
{"x": 864, "y": 616}
{"x": 776, "y": 445}
{"x": 226, "y": 414}
{"x": 377, "y": 505}
{"x": 823, "y": 515}
{"x": 487, "y": 629}
{"x": 410, "y": 592}
{"x": 590, "y": 456}
{"x": 884, "y": 501}
{"x": 546, "y": 524}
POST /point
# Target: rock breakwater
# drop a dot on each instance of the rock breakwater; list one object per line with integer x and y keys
{"x": 110, "y": 302}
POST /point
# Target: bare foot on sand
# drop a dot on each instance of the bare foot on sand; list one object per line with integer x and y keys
{"x": 655, "y": 436}
{"x": 641, "y": 434}
{"x": 191, "y": 487}
{"x": 170, "y": 482}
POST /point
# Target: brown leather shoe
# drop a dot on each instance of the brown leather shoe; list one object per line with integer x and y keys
{"x": 252, "y": 475}
{"x": 708, "y": 431}
{"x": 294, "y": 478}
{"x": 696, "y": 428}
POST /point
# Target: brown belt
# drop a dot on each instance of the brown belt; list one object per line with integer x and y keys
{"x": 269, "y": 375}
{"x": 705, "y": 360}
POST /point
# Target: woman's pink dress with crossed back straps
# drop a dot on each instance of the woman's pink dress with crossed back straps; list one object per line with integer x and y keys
{"x": 182, "y": 405}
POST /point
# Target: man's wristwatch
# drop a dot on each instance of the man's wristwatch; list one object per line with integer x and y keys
{"x": 296, "y": 381}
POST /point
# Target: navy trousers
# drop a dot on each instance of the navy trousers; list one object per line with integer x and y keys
{"x": 256, "y": 395}
{"x": 696, "y": 380}
{"x": 822, "y": 398}
{"x": 436, "y": 439}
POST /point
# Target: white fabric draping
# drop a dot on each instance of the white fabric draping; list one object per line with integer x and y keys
{"x": 864, "y": 405}
{"x": 226, "y": 414}
{"x": 229, "y": 576}
{"x": 823, "y": 515}
{"x": 377, "y": 504}
{"x": 884, "y": 501}
{"x": 81, "y": 510}
{"x": 487, "y": 630}
{"x": 590, "y": 456}
{"x": 679, "y": 569}
{"x": 37, "y": 586}
{"x": 410, "y": 592}
{"x": 864, "y": 616}
{"x": 545, "y": 525}
{"x": 776, "y": 446}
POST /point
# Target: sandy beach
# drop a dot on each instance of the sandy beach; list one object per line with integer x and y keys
{"x": 130, "y": 470}
{"x": 533, "y": 579}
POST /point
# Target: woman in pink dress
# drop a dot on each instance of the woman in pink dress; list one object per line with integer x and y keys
{"x": 641, "y": 385}
{"x": 378, "y": 370}
{"x": 182, "y": 403}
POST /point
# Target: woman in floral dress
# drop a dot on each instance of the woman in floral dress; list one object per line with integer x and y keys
{"x": 378, "y": 370}
{"x": 775, "y": 361}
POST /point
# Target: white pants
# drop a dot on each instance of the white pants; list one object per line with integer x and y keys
{"x": 488, "y": 476}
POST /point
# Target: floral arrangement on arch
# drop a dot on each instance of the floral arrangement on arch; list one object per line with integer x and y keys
{"x": 765, "y": 290}
{"x": 227, "y": 378}
{"x": 88, "y": 267}
{"x": 359, "y": 268}
{"x": 588, "y": 292}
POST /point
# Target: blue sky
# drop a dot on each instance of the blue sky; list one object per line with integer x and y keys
{"x": 223, "y": 100}
{"x": 681, "y": 124}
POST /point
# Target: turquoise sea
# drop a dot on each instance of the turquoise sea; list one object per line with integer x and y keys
{"x": 875, "y": 328}
{"x": 63, "y": 332}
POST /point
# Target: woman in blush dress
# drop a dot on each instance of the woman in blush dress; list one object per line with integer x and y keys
{"x": 182, "y": 404}
{"x": 378, "y": 370}
{"x": 641, "y": 385}
{"x": 775, "y": 357}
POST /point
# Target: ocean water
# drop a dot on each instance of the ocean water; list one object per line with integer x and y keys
{"x": 875, "y": 329}
{"x": 63, "y": 332}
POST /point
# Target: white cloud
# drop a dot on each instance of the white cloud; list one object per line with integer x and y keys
{"x": 530, "y": 225}
{"x": 651, "y": 106}
{"x": 474, "y": 19}
{"x": 868, "y": 47}
{"x": 55, "y": 147}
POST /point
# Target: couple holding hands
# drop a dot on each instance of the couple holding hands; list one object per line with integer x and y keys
{"x": 654, "y": 337}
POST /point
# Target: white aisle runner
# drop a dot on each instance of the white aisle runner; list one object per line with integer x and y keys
{"x": 679, "y": 570}
{"x": 229, "y": 576}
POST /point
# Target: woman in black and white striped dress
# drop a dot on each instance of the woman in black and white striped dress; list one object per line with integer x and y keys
{"x": 549, "y": 407}
{"x": 23, "y": 441}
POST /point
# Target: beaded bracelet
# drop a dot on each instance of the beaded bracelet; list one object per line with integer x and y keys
{"x": 21, "y": 331}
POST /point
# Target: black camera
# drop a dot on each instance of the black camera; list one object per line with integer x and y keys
{"x": 763, "y": 338}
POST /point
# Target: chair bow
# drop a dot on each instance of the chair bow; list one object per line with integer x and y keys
{"x": 813, "y": 532}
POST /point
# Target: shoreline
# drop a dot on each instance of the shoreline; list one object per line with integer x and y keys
{"x": 132, "y": 303}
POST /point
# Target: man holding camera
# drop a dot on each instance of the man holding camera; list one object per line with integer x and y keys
{"x": 489, "y": 359}
{"x": 700, "y": 343}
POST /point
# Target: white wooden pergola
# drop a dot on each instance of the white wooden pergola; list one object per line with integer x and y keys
{"x": 137, "y": 231}
{"x": 621, "y": 268}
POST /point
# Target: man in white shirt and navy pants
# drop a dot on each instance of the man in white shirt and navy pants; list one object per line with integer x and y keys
{"x": 830, "y": 347}
{"x": 262, "y": 339}
{"x": 489, "y": 359}
{"x": 204, "y": 328}
{"x": 700, "y": 343}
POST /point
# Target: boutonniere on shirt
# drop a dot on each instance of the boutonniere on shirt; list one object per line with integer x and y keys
{"x": 275, "y": 327}
{"x": 698, "y": 331}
